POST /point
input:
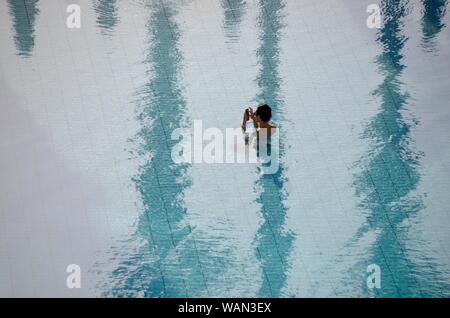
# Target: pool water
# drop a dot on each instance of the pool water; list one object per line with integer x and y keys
{"x": 88, "y": 178}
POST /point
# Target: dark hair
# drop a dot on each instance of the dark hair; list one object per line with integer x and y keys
{"x": 264, "y": 112}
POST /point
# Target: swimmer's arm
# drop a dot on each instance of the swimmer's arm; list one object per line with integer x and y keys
{"x": 255, "y": 121}
{"x": 245, "y": 120}
{"x": 244, "y": 124}
{"x": 249, "y": 114}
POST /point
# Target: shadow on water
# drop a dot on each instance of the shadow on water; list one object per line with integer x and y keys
{"x": 433, "y": 13}
{"x": 107, "y": 17}
{"x": 272, "y": 242}
{"x": 23, "y": 13}
{"x": 390, "y": 174}
{"x": 167, "y": 262}
{"x": 234, "y": 11}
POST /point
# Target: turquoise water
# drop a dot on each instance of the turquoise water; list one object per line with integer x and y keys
{"x": 364, "y": 149}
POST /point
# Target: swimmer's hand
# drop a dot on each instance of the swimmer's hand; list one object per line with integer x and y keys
{"x": 251, "y": 113}
{"x": 248, "y": 113}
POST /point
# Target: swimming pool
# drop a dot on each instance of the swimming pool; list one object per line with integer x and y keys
{"x": 88, "y": 176}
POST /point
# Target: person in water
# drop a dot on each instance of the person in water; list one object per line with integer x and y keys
{"x": 263, "y": 131}
{"x": 260, "y": 118}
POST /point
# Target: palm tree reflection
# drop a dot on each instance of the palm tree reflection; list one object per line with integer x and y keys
{"x": 167, "y": 263}
{"x": 273, "y": 242}
{"x": 233, "y": 12}
{"x": 390, "y": 173}
{"x": 433, "y": 14}
{"x": 24, "y": 14}
{"x": 107, "y": 17}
